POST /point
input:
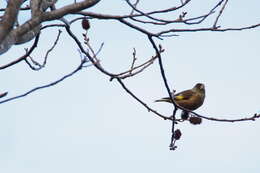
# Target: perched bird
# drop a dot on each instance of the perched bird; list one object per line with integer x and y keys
{"x": 188, "y": 99}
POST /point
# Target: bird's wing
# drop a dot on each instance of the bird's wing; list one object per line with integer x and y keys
{"x": 184, "y": 95}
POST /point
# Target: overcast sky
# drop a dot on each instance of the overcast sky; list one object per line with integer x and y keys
{"x": 88, "y": 124}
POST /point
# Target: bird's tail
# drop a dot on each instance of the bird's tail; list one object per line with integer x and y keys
{"x": 165, "y": 99}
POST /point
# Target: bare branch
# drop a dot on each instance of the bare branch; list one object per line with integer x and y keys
{"x": 253, "y": 118}
{"x": 133, "y": 62}
{"x": 220, "y": 12}
{"x": 21, "y": 9}
{"x": 24, "y": 56}
{"x": 52, "y": 15}
{"x": 148, "y": 15}
{"x": 140, "y": 101}
{"x": 26, "y": 32}
{"x": 162, "y": 33}
{"x": 138, "y": 28}
{"x": 38, "y": 65}
{"x": 107, "y": 16}
{"x": 9, "y": 18}
{"x": 135, "y": 5}
{"x": 138, "y": 69}
{"x": 45, "y": 86}
{"x": 157, "y": 11}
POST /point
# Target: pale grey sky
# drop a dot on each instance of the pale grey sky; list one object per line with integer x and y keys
{"x": 88, "y": 124}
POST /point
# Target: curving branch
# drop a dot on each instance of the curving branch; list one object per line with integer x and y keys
{"x": 81, "y": 66}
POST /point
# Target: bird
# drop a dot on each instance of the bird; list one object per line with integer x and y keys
{"x": 190, "y": 99}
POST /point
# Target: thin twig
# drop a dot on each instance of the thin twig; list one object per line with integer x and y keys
{"x": 87, "y": 54}
{"x": 148, "y": 15}
{"x": 207, "y": 29}
{"x": 94, "y": 55}
{"x": 140, "y": 101}
{"x": 38, "y": 65}
{"x": 203, "y": 17}
{"x": 135, "y": 5}
{"x": 167, "y": 88}
{"x": 53, "y": 46}
{"x": 133, "y": 62}
{"x": 161, "y": 68}
{"x": 220, "y": 12}
{"x": 172, "y": 143}
{"x": 111, "y": 75}
{"x": 253, "y": 118}
{"x": 35, "y": 43}
{"x": 45, "y": 86}
{"x": 137, "y": 69}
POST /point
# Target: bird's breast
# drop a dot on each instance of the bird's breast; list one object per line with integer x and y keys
{"x": 192, "y": 103}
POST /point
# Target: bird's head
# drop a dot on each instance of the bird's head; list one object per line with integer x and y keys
{"x": 200, "y": 87}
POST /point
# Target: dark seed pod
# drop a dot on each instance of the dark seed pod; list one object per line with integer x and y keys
{"x": 85, "y": 24}
{"x": 184, "y": 115}
{"x": 195, "y": 120}
{"x": 177, "y": 134}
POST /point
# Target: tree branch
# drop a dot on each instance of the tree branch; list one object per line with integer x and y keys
{"x": 25, "y": 32}
{"x": 24, "y": 56}
{"x": 47, "y": 85}
{"x": 9, "y": 18}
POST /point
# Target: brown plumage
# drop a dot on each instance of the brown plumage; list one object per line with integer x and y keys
{"x": 188, "y": 99}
